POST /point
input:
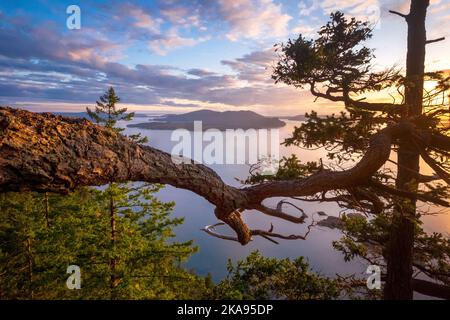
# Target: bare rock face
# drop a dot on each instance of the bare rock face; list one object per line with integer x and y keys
{"x": 53, "y": 153}
{"x": 331, "y": 222}
{"x": 336, "y": 222}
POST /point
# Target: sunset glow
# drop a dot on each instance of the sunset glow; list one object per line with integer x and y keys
{"x": 176, "y": 56}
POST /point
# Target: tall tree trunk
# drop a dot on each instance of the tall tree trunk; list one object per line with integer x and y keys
{"x": 30, "y": 268}
{"x": 112, "y": 263}
{"x": 400, "y": 249}
{"x": 47, "y": 210}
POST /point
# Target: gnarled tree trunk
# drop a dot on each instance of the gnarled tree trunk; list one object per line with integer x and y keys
{"x": 401, "y": 243}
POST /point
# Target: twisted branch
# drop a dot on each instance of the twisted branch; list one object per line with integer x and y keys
{"x": 44, "y": 152}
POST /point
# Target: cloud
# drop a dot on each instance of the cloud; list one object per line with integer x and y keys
{"x": 307, "y": 7}
{"x": 200, "y": 72}
{"x": 365, "y": 10}
{"x": 253, "y": 19}
{"x": 163, "y": 27}
{"x": 42, "y": 61}
{"x": 55, "y": 68}
{"x": 45, "y": 43}
{"x": 305, "y": 30}
{"x": 143, "y": 19}
{"x": 46, "y": 63}
{"x": 183, "y": 16}
{"x": 361, "y": 9}
{"x": 82, "y": 79}
{"x": 435, "y": 2}
{"x": 439, "y": 8}
{"x": 254, "y": 67}
{"x": 172, "y": 40}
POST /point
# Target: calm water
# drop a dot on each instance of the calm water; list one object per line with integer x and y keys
{"x": 214, "y": 253}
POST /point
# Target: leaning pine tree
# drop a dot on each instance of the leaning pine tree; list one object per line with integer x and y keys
{"x": 336, "y": 66}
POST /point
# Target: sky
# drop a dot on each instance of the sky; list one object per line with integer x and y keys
{"x": 180, "y": 56}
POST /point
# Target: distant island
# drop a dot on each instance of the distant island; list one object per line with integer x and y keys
{"x": 212, "y": 120}
{"x": 299, "y": 117}
{"x": 86, "y": 116}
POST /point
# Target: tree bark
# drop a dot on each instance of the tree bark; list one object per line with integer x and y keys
{"x": 431, "y": 289}
{"x": 46, "y": 210}
{"x": 30, "y": 268}
{"x": 112, "y": 263}
{"x": 400, "y": 249}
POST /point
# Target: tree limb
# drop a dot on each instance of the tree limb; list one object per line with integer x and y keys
{"x": 407, "y": 194}
{"x": 279, "y": 214}
{"x": 370, "y": 106}
{"x": 44, "y": 152}
{"x": 434, "y": 165}
{"x": 431, "y": 289}
{"x": 398, "y": 13}
{"x": 435, "y": 40}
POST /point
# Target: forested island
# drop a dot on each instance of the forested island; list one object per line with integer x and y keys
{"x": 212, "y": 120}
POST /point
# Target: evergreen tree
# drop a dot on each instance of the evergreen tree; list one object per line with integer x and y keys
{"x": 34, "y": 258}
{"x": 337, "y": 66}
{"x": 120, "y": 237}
{"x": 106, "y": 113}
{"x": 261, "y": 278}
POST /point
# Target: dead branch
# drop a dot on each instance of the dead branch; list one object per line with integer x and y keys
{"x": 398, "y": 13}
{"x": 435, "y": 40}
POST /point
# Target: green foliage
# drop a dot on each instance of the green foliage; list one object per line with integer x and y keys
{"x": 336, "y": 56}
{"x": 368, "y": 238}
{"x": 121, "y": 238}
{"x": 130, "y": 205}
{"x": 34, "y": 256}
{"x": 258, "y": 277}
{"x": 343, "y": 136}
{"x": 289, "y": 168}
{"x": 337, "y": 66}
{"x": 432, "y": 255}
{"x": 106, "y": 113}
{"x": 37, "y": 246}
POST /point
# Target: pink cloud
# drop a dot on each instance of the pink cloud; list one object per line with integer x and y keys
{"x": 172, "y": 40}
{"x": 251, "y": 19}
